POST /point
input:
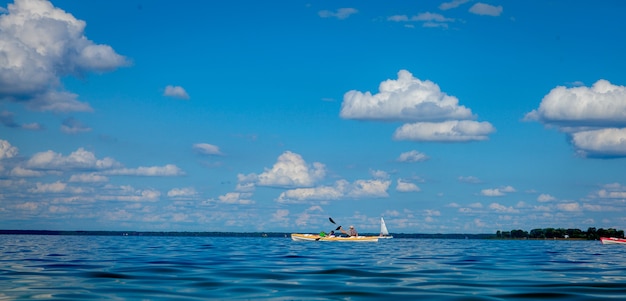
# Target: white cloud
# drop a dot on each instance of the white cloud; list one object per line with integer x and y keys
{"x": 438, "y": 117}
{"x": 569, "y": 207}
{"x": 405, "y": 99}
{"x": 19, "y": 171}
{"x": 412, "y": 156}
{"x": 207, "y": 149}
{"x": 156, "y": 171}
{"x": 78, "y": 160}
{"x": 42, "y": 43}
{"x": 447, "y": 131}
{"x": 342, "y": 13}
{"x": 501, "y": 208}
{"x": 300, "y": 195}
{"x": 127, "y": 193}
{"x": 428, "y": 19}
{"x": 403, "y": 186}
{"x": 176, "y": 92}
{"x": 290, "y": 170}
{"x": 601, "y": 105}
{"x": 88, "y": 178}
{"x": 55, "y": 187}
{"x": 27, "y": 206}
{"x": 7, "y": 150}
{"x": 609, "y": 142}
{"x": 281, "y": 215}
{"x": 497, "y": 191}
{"x": 342, "y": 189}
{"x": 379, "y": 174}
{"x": 594, "y": 117}
{"x": 181, "y": 192}
{"x": 486, "y": 9}
{"x": 545, "y": 198}
{"x": 241, "y": 198}
{"x": 369, "y": 188}
{"x": 612, "y": 191}
{"x": 452, "y": 4}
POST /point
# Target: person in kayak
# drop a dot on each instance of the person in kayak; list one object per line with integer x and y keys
{"x": 350, "y": 232}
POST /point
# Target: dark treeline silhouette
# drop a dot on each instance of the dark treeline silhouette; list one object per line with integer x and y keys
{"x": 591, "y": 234}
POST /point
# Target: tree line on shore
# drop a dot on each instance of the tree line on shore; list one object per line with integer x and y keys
{"x": 591, "y": 234}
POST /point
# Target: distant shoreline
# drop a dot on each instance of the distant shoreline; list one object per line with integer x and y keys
{"x": 225, "y": 234}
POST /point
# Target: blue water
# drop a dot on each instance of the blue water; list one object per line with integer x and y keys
{"x": 214, "y": 268}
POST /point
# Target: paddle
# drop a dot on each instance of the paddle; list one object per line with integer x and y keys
{"x": 332, "y": 221}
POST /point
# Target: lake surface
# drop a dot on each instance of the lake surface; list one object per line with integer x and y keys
{"x": 216, "y": 268}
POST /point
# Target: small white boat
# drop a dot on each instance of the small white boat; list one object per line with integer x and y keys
{"x": 317, "y": 237}
{"x": 612, "y": 240}
{"x": 384, "y": 233}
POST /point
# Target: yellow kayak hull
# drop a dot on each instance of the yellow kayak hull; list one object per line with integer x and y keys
{"x": 316, "y": 237}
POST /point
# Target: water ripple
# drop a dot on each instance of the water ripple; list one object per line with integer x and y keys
{"x": 201, "y": 268}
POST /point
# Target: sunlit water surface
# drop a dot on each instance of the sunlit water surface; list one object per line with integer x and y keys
{"x": 210, "y": 268}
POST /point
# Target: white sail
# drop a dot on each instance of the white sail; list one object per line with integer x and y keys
{"x": 383, "y": 227}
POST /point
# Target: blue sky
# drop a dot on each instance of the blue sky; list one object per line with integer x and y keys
{"x": 441, "y": 116}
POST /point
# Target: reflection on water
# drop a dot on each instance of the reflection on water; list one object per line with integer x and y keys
{"x": 201, "y": 268}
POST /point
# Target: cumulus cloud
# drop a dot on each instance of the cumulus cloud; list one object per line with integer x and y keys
{"x": 611, "y": 191}
{"x": 181, "y": 192}
{"x": 594, "y": 117}
{"x": 290, "y": 170}
{"x": 321, "y": 193}
{"x": 497, "y": 191}
{"x": 609, "y": 142}
{"x": 447, "y": 131}
{"x": 7, "y": 150}
{"x": 486, "y": 9}
{"x": 501, "y": 208}
{"x": 452, "y": 4}
{"x": 376, "y": 188}
{"x": 127, "y": 193}
{"x": 176, "y": 92}
{"x": 572, "y": 207}
{"x": 21, "y": 172}
{"x": 148, "y": 171}
{"x": 405, "y": 99}
{"x": 81, "y": 159}
{"x": 412, "y": 156}
{"x": 405, "y": 186}
{"x": 242, "y": 198}
{"x": 57, "y": 186}
{"x": 88, "y": 178}
{"x": 427, "y": 19}
{"x": 436, "y": 116}
{"x": 41, "y": 44}
{"x": 206, "y": 149}
{"x": 342, "y": 13}
{"x": 545, "y": 198}
{"x": 281, "y": 215}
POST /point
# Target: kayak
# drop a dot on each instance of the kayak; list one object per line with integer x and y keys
{"x": 316, "y": 237}
{"x": 612, "y": 240}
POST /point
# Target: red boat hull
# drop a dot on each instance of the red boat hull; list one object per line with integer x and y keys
{"x": 612, "y": 240}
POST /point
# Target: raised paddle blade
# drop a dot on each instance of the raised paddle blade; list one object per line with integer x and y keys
{"x": 331, "y": 220}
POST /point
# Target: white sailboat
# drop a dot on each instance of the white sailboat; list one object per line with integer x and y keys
{"x": 384, "y": 233}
